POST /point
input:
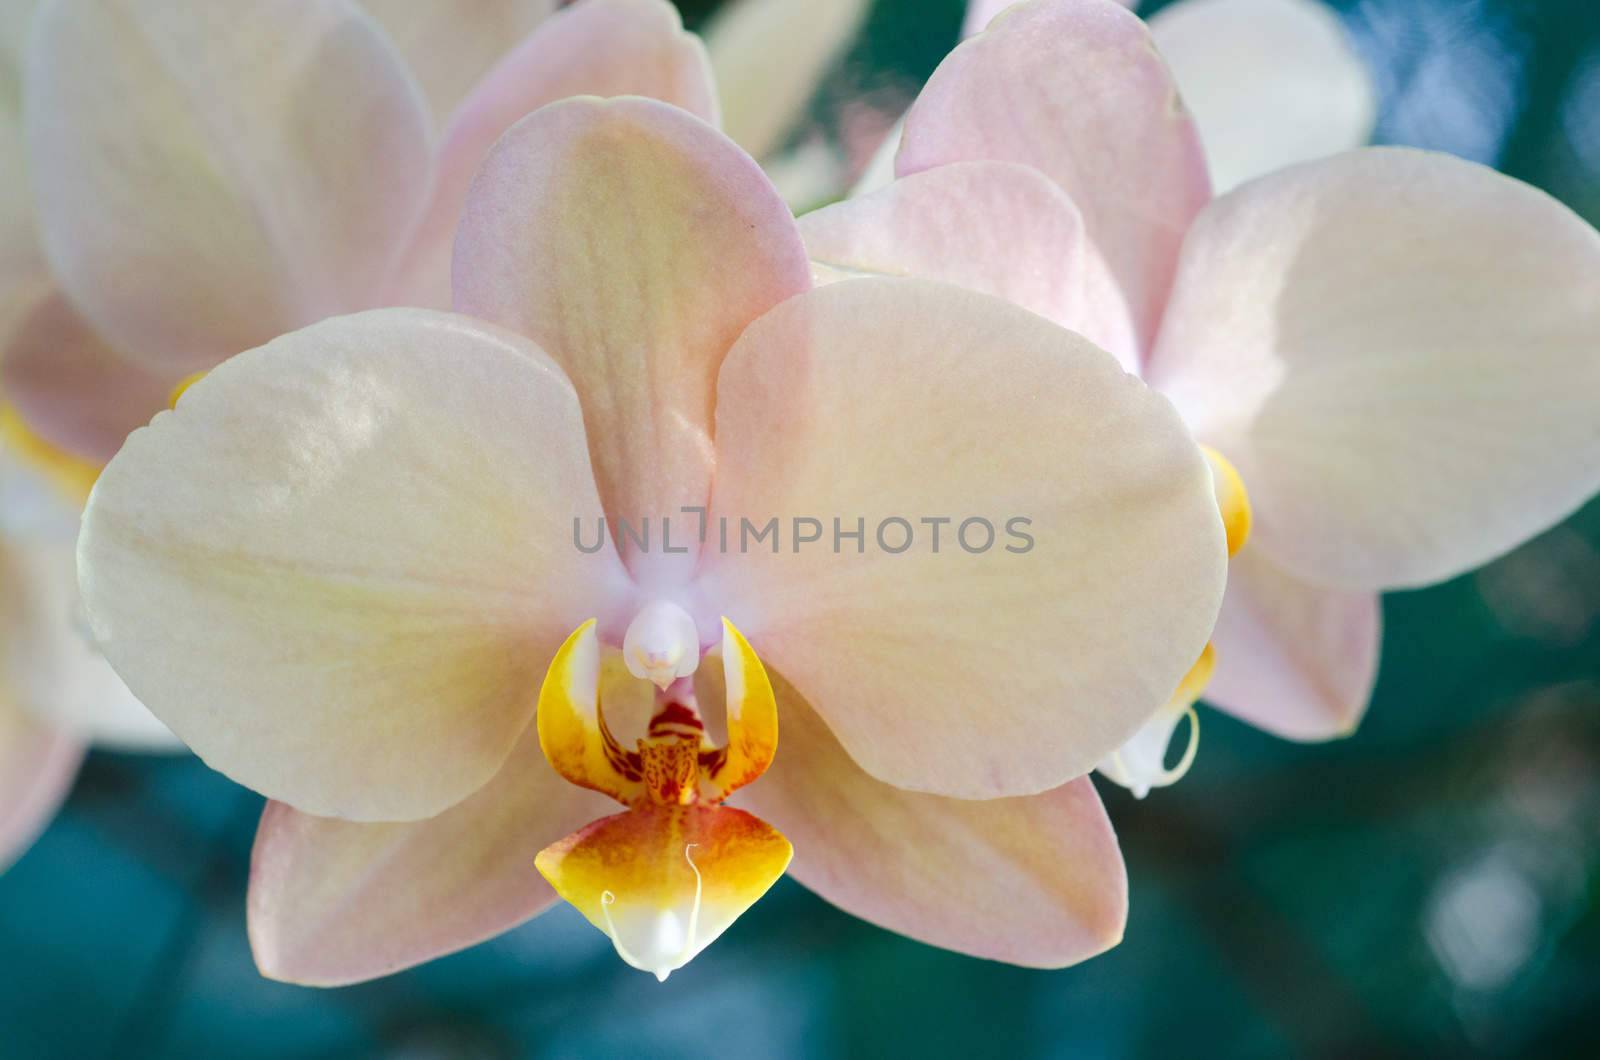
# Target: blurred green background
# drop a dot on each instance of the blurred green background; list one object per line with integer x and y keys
{"x": 1426, "y": 887}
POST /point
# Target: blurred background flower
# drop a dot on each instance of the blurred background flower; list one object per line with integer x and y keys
{"x": 1425, "y": 886}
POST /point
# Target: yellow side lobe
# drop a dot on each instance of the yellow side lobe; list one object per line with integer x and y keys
{"x": 752, "y": 720}
{"x": 664, "y": 881}
{"x": 71, "y": 476}
{"x": 1232, "y": 500}
{"x": 572, "y": 729}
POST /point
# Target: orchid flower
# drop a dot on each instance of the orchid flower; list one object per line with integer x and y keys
{"x": 203, "y": 178}
{"x": 1393, "y": 351}
{"x": 345, "y": 569}
{"x": 1268, "y": 82}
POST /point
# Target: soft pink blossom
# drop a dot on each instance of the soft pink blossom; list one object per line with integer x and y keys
{"x": 1396, "y": 349}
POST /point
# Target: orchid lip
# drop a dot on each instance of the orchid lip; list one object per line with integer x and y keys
{"x": 1140, "y": 764}
{"x": 1233, "y": 502}
{"x": 664, "y": 878}
{"x": 70, "y": 476}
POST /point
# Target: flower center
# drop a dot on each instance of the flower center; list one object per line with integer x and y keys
{"x": 667, "y": 876}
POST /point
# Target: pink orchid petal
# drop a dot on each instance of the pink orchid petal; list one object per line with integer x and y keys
{"x": 358, "y": 540}
{"x": 972, "y": 671}
{"x": 1396, "y": 349}
{"x": 770, "y": 56}
{"x": 47, "y": 662}
{"x": 449, "y": 45}
{"x": 1293, "y": 658}
{"x": 208, "y": 176}
{"x": 1270, "y": 82}
{"x": 994, "y": 227}
{"x": 1075, "y": 89}
{"x": 76, "y": 392}
{"x": 335, "y": 902}
{"x": 593, "y": 48}
{"x": 1036, "y": 881}
{"x": 37, "y": 767}
{"x": 634, "y": 242}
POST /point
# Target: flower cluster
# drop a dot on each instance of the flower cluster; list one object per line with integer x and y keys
{"x": 439, "y": 314}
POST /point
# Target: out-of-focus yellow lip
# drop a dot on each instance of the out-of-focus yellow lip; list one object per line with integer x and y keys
{"x": 1232, "y": 499}
{"x": 72, "y": 476}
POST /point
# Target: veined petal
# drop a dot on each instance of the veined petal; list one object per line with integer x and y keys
{"x": 74, "y": 391}
{"x": 335, "y": 902}
{"x": 1397, "y": 351}
{"x": 1270, "y": 82}
{"x": 48, "y": 663}
{"x": 994, "y": 227}
{"x": 769, "y": 56}
{"x": 37, "y": 765}
{"x": 634, "y": 242}
{"x": 1078, "y": 570}
{"x": 593, "y": 48}
{"x": 1293, "y": 658}
{"x": 664, "y": 881}
{"x": 450, "y": 45}
{"x": 1076, "y": 89}
{"x": 338, "y": 568}
{"x": 209, "y": 176}
{"x": 1036, "y": 881}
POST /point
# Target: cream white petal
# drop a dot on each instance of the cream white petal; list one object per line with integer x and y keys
{"x": 1396, "y": 349}
{"x": 339, "y": 568}
{"x": 1080, "y": 561}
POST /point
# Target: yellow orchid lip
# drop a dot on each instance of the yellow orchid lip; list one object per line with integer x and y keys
{"x": 72, "y": 476}
{"x": 667, "y": 876}
{"x": 1232, "y": 499}
{"x": 182, "y": 388}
